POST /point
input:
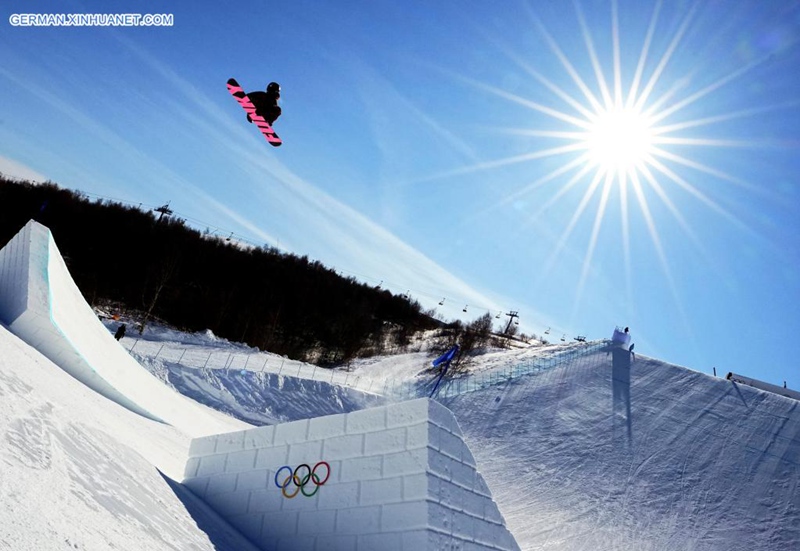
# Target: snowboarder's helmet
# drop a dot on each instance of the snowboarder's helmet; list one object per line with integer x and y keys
{"x": 274, "y": 87}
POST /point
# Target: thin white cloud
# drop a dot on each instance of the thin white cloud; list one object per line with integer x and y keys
{"x": 15, "y": 169}
{"x": 327, "y": 229}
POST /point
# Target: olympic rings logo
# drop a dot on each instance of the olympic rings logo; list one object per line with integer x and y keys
{"x": 300, "y": 482}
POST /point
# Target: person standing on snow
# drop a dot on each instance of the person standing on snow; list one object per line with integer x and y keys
{"x": 266, "y": 103}
{"x": 120, "y": 332}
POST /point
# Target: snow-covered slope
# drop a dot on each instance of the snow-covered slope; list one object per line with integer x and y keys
{"x": 576, "y": 459}
{"x": 587, "y": 453}
{"x": 254, "y": 386}
{"x": 584, "y": 456}
{"x": 675, "y": 459}
{"x": 266, "y": 398}
{"x": 78, "y": 471}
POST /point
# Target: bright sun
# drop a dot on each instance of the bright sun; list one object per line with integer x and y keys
{"x": 614, "y": 137}
{"x": 619, "y": 139}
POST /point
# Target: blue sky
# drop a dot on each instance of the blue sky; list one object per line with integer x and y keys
{"x": 456, "y": 150}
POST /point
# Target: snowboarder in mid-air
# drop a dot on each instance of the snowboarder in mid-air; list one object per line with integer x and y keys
{"x": 261, "y": 107}
{"x": 266, "y": 103}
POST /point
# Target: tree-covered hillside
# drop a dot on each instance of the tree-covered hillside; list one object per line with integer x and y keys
{"x": 161, "y": 267}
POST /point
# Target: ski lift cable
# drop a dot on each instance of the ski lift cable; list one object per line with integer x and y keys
{"x": 394, "y": 285}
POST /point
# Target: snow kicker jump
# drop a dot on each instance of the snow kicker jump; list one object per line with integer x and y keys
{"x": 40, "y": 303}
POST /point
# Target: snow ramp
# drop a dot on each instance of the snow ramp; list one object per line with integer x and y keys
{"x": 610, "y": 452}
{"x": 41, "y": 304}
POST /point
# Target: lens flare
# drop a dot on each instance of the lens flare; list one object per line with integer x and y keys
{"x": 627, "y": 134}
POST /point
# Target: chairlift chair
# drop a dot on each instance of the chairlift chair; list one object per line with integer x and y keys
{"x": 441, "y": 302}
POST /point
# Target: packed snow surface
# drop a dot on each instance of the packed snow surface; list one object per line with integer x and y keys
{"x": 78, "y": 471}
{"x": 579, "y": 456}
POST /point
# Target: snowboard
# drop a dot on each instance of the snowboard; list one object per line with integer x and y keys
{"x": 266, "y": 129}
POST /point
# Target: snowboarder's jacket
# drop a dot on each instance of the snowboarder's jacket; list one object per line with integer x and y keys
{"x": 266, "y": 104}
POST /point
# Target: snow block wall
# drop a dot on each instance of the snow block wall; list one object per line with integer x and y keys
{"x": 394, "y": 478}
{"x": 40, "y": 303}
{"x": 15, "y": 293}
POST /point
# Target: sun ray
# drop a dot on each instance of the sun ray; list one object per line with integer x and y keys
{"x": 598, "y": 71}
{"x": 643, "y": 56}
{"x": 733, "y": 115}
{"x": 616, "y": 131}
{"x": 704, "y": 91}
{"x": 563, "y": 169}
{"x": 677, "y": 87}
{"x": 665, "y": 59}
{"x": 734, "y": 220}
{"x": 706, "y": 142}
{"x": 541, "y": 133}
{"x": 552, "y": 175}
{"x": 547, "y": 83}
{"x": 615, "y": 41}
{"x": 598, "y": 222}
{"x": 654, "y": 236}
{"x": 679, "y": 159}
{"x": 564, "y": 188}
{"x": 698, "y": 194}
{"x": 704, "y": 253}
{"x": 576, "y": 216}
{"x": 565, "y": 62}
{"x": 555, "y": 113}
{"x": 538, "y": 214}
{"x": 626, "y": 238}
{"x": 487, "y": 165}
{"x": 659, "y": 190}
